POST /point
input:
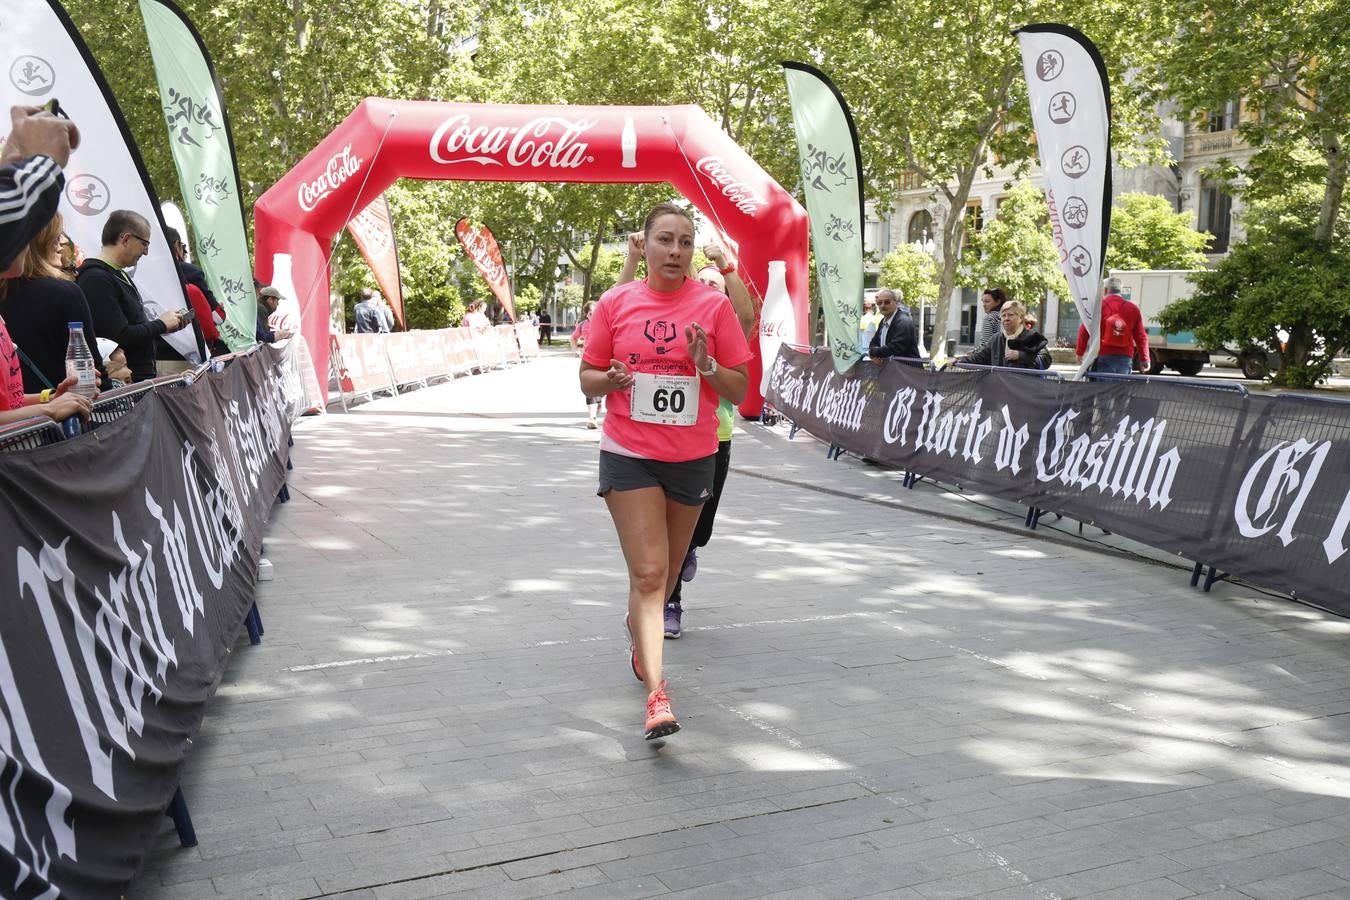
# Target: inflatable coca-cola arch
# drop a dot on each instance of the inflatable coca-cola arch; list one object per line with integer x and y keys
{"x": 384, "y": 140}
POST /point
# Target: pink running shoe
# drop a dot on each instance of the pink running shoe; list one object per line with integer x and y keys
{"x": 660, "y": 720}
{"x": 632, "y": 650}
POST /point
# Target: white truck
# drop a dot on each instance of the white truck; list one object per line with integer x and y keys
{"x": 1152, "y": 289}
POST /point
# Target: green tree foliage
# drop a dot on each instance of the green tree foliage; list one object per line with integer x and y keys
{"x": 1147, "y": 234}
{"x": 291, "y": 70}
{"x": 938, "y": 92}
{"x": 1288, "y": 68}
{"x": 571, "y": 297}
{"x": 1015, "y": 250}
{"x": 1283, "y": 277}
{"x": 606, "y": 273}
{"x": 913, "y": 273}
{"x": 529, "y": 299}
{"x": 428, "y": 253}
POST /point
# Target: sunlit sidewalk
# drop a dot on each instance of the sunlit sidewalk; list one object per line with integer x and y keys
{"x": 875, "y": 700}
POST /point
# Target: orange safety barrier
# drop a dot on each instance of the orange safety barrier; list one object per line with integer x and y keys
{"x": 487, "y": 348}
{"x": 506, "y": 340}
{"x": 460, "y": 344}
{"x": 367, "y": 363}
{"x": 361, "y": 363}
{"x": 528, "y": 337}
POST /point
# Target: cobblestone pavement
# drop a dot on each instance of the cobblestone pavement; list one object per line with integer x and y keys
{"x": 877, "y": 701}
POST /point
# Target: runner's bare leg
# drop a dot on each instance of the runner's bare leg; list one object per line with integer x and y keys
{"x": 653, "y": 533}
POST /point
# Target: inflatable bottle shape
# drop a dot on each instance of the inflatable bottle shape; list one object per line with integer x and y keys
{"x": 287, "y": 315}
{"x": 628, "y": 144}
{"x": 777, "y": 323}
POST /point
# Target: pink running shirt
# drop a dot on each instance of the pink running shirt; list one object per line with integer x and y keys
{"x": 11, "y": 375}
{"x": 644, "y": 329}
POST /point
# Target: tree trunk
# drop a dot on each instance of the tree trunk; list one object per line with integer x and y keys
{"x": 1337, "y": 163}
{"x": 954, "y": 229}
{"x": 588, "y": 270}
{"x": 953, "y": 242}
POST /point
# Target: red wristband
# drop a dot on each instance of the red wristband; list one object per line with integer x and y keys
{"x": 728, "y": 270}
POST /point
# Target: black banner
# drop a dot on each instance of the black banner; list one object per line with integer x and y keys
{"x": 1258, "y": 486}
{"x": 127, "y": 565}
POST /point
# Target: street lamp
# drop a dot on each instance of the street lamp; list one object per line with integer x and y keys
{"x": 926, "y": 245}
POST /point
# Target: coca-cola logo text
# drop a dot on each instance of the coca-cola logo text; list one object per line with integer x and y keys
{"x": 341, "y": 166}
{"x": 543, "y": 142}
{"x": 741, "y": 195}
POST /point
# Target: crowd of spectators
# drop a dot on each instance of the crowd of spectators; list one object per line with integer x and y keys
{"x": 45, "y": 288}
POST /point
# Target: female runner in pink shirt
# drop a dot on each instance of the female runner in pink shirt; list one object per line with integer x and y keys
{"x": 663, "y": 349}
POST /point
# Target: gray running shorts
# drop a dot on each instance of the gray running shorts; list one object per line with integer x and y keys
{"x": 690, "y": 483}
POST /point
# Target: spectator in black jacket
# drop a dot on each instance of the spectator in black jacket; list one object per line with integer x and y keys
{"x": 37, "y": 146}
{"x": 116, "y": 305}
{"x": 896, "y": 335}
{"x": 1013, "y": 346}
{"x": 38, "y": 305}
{"x": 209, "y": 314}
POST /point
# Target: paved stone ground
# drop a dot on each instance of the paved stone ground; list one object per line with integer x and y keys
{"x": 876, "y": 701}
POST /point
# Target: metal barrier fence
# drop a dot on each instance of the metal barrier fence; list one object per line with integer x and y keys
{"x": 39, "y": 431}
{"x": 1209, "y": 385}
{"x": 121, "y": 401}
{"x": 1044, "y": 374}
{"x": 30, "y": 434}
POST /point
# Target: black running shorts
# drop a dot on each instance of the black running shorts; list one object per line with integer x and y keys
{"x": 690, "y": 483}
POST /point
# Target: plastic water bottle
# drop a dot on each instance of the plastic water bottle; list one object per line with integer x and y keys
{"x": 80, "y": 362}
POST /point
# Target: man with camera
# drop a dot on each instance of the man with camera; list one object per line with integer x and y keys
{"x": 116, "y": 305}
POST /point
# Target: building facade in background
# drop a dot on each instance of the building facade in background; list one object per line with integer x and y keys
{"x": 918, "y": 214}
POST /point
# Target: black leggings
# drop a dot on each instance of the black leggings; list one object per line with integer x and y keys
{"x": 703, "y": 530}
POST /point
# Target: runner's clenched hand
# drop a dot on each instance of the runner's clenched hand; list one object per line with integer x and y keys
{"x": 618, "y": 375}
{"x": 696, "y": 341}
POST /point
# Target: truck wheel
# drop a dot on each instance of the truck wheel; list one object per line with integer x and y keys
{"x": 1189, "y": 367}
{"x": 1254, "y": 365}
{"x": 1155, "y": 365}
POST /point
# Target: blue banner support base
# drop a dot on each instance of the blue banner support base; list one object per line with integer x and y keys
{"x": 253, "y": 622}
{"x": 1211, "y": 576}
{"x": 182, "y": 821}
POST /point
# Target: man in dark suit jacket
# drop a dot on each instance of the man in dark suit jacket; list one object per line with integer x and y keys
{"x": 897, "y": 335}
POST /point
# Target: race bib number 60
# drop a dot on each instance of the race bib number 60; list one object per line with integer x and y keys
{"x": 665, "y": 399}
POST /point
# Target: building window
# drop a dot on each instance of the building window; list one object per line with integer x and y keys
{"x": 1216, "y": 214}
{"x": 1225, "y": 118}
{"x": 876, "y": 237}
{"x": 974, "y": 216}
{"x": 974, "y": 224}
{"x": 920, "y": 227}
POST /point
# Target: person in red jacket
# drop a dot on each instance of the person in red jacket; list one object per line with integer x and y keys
{"x": 1123, "y": 334}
